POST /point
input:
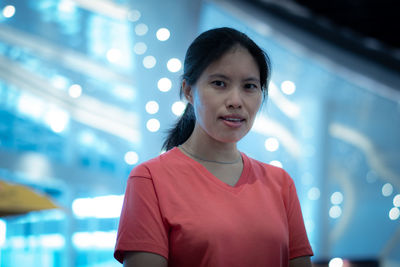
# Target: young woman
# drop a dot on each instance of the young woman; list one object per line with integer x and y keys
{"x": 203, "y": 202}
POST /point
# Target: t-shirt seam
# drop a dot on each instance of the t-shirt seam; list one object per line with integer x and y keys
{"x": 160, "y": 250}
{"x": 300, "y": 251}
{"x": 140, "y": 176}
{"x": 164, "y": 220}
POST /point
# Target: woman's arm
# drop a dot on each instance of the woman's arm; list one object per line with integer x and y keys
{"x": 144, "y": 259}
{"x": 300, "y": 262}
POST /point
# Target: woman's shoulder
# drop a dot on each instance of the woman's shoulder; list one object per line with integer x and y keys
{"x": 268, "y": 171}
{"x": 145, "y": 169}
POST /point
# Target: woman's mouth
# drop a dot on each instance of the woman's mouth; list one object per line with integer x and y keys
{"x": 233, "y": 122}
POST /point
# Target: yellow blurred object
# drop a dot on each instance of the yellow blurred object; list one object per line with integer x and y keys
{"x": 19, "y": 199}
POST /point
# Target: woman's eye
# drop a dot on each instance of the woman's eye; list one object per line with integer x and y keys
{"x": 219, "y": 83}
{"x": 251, "y": 86}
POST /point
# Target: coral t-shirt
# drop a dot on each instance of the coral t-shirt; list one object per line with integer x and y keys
{"x": 176, "y": 208}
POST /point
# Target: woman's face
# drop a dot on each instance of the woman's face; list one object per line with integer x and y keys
{"x": 227, "y": 96}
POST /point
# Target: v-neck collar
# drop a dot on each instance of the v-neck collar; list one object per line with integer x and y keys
{"x": 236, "y": 189}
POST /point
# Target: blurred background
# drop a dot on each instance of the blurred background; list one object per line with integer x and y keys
{"x": 88, "y": 89}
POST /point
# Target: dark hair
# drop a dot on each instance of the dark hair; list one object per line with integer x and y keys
{"x": 207, "y": 48}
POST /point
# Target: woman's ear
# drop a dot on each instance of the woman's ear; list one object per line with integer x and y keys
{"x": 187, "y": 91}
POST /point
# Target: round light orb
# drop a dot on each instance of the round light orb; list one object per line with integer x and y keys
{"x": 163, "y": 34}
{"x": 141, "y": 29}
{"x": 387, "y": 189}
{"x": 113, "y": 55}
{"x": 174, "y": 65}
{"x": 140, "y": 48}
{"x": 336, "y": 262}
{"x": 394, "y": 213}
{"x": 134, "y": 15}
{"x": 337, "y": 198}
{"x": 314, "y": 193}
{"x": 75, "y": 91}
{"x": 152, "y": 107}
{"x": 178, "y": 108}
{"x": 131, "y": 157}
{"x": 164, "y": 84}
{"x": 8, "y": 11}
{"x": 57, "y": 120}
{"x": 396, "y": 200}
{"x": 335, "y": 212}
{"x": 153, "y": 125}
{"x": 149, "y": 62}
{"x": 276, "y": 163}
{"x": 288, "y": 87}
{"x": 271, "y": 144}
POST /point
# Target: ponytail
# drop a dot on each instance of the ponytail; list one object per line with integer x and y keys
{"x": 182, "y": 129}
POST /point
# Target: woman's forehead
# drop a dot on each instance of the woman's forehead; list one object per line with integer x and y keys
{"x": 237, "y": 60}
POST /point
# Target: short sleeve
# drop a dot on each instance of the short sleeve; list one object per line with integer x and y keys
{"x": 298, "y": 240}
{"x": 141, "y": 227}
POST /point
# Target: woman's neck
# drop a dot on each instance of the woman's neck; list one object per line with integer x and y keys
{"x": 204, "y": 146}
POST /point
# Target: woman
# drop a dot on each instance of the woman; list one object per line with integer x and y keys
{"x": 204, "y": 203}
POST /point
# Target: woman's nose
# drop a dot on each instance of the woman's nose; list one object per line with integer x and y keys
{"x": 234, "y": 98}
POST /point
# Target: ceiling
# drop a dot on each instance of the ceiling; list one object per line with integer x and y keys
{"x": 364, "y": 27}
{"x": 370, "y": 18}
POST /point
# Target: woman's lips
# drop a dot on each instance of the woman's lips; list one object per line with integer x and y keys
{"x": 233, "y": 122}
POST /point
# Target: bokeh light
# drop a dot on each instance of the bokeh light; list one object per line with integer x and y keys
{"x": 335, "y": 212}
{"x": 276, "y": 163}
{"x": 152, "y": 107}
{"x": 153, "y": 125}
{"x": 314, "y": 193}
{"x": 140, "y": 48}
{"x": 149, "y": 62}
{"x": 163, "y": 34}
{"x": 131, "y": 157}
{"x": 164, "y": 84}
{"x": 141, "y": 29}
{"x": 271, "y": 144}
{"x": 75, "y": 91}
{"x": 336, "y": 262}
{"x": 113, "y": 55}
{"x": 288, "y": 87}
{"x": 134, "y": 15}
{"x": 396, "y": 200}
{"x": 387, "y": 189}
{"x": 57, "y": 119}
{"x": 178, "y": 108}
{"x": 336, "y": 198}
{"x": 8, "y": 11}
{"x": 174, "y": 65}
{"x": 394, "y": 213}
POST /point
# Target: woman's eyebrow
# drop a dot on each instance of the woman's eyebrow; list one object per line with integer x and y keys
{"x": 222, "y": 76}
{"x": 218, "y": 75}
{"x": 252, "y": 79}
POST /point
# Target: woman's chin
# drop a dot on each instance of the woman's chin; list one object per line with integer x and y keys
{"x": 230, "y": 139}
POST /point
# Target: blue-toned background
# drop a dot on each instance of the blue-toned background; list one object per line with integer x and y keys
{"x": 89, "y": 88}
